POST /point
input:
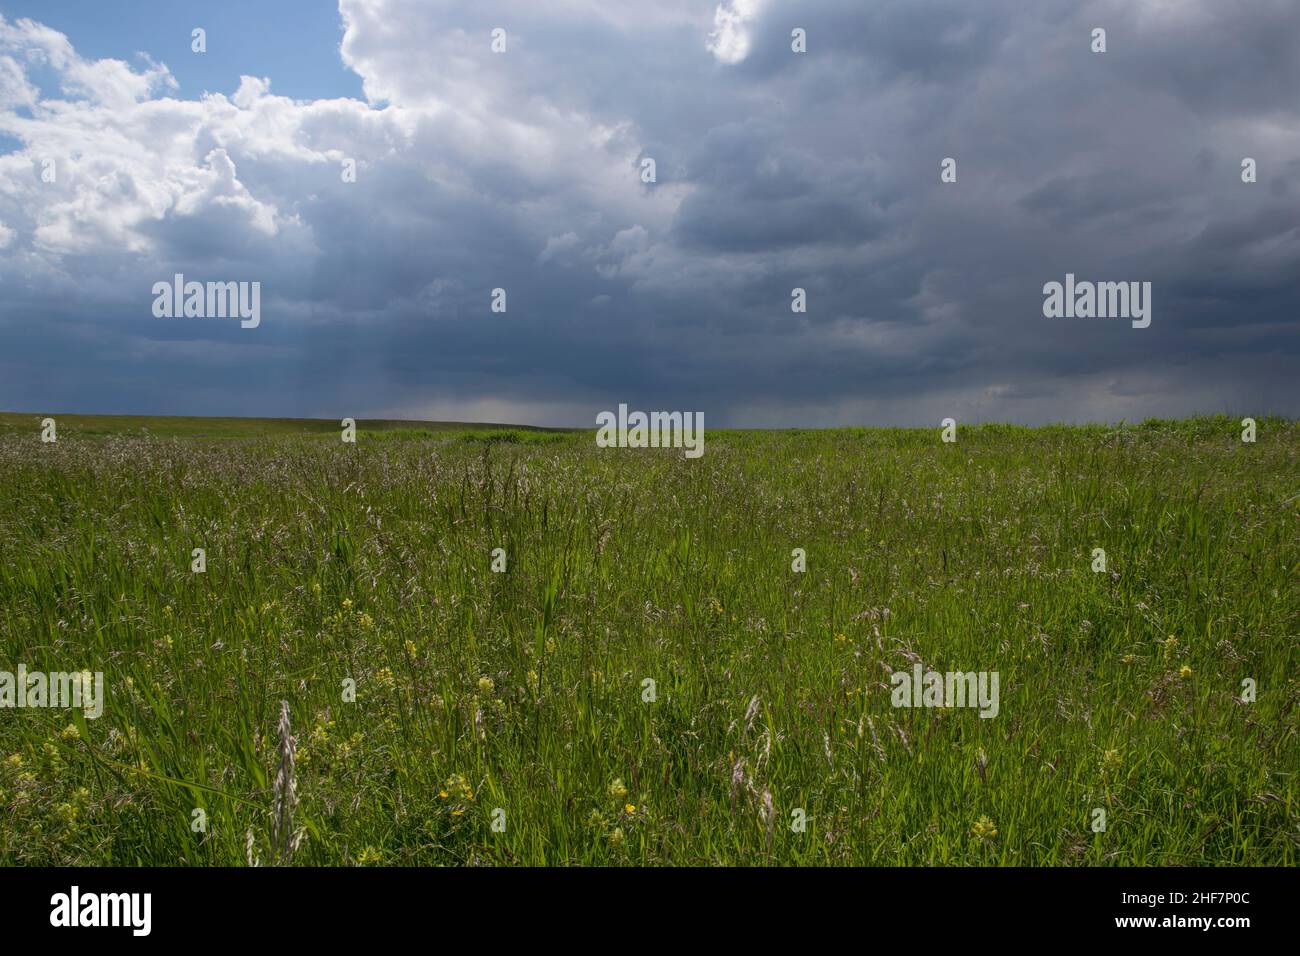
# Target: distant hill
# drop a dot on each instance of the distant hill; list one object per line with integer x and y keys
{"x": 191, "y": 426}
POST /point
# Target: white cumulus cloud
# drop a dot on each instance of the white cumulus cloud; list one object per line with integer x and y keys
{"x": 732, "y": 35}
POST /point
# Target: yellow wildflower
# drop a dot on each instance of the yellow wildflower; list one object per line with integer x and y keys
{"x": 369, "y": 857}
{"x": 459, "y": 787}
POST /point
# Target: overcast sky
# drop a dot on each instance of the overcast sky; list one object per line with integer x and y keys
{"x": 522, "y": 170}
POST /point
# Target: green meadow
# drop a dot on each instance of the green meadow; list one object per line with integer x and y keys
{"x": 644, "y": 679}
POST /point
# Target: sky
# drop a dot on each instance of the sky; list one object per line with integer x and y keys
{"x": 126, "y": 157}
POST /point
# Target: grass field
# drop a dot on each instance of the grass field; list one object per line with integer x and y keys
{"x": 526, "y": 690}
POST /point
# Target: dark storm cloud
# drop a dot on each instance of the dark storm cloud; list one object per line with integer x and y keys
{"x": 775, "y": 171}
